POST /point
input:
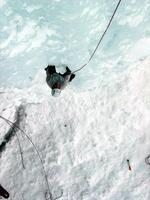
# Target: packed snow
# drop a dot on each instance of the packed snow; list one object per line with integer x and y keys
{"x": 101, "y": 120}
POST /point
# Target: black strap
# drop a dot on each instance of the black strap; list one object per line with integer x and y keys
{"x": 4, "y": 193}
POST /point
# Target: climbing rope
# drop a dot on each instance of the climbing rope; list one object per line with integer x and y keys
{"x": 101, "y": 38}
{"x": 48, "y": 194}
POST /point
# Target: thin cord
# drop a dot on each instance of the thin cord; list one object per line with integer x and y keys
{"x": 20, "y": 149}
{"x": 48, "y": 187}
{"x": 101, "y": 38}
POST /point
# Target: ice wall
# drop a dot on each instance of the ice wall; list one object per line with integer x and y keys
{"x": 35, "y": 33}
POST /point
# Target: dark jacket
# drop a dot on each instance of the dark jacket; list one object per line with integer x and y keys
{"x": 56, "y": 80}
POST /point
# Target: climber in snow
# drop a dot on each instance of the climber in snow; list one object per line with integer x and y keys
{"x": 57, "y": 81}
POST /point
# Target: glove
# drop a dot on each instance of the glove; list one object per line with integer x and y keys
{"x": 68, "y": 71}
{"x": 72, "y": 77}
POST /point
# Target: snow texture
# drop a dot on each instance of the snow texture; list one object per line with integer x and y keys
{"x": 100, "y": 120}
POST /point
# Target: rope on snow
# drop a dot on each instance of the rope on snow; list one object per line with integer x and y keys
{"x": 48, "y": 193}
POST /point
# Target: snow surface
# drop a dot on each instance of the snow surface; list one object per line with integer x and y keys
{"x": 84, "y": 139}
{"x": 101, "y": 119}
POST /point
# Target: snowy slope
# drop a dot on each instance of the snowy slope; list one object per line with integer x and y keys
{"x": 84, "y": 139}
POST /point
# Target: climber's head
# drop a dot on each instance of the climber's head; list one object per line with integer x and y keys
{"x": 55, "y": 92}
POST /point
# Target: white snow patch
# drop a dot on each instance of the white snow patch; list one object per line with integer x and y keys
{"x": 84, "y": 139}
{"x": 2, "y": 2}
